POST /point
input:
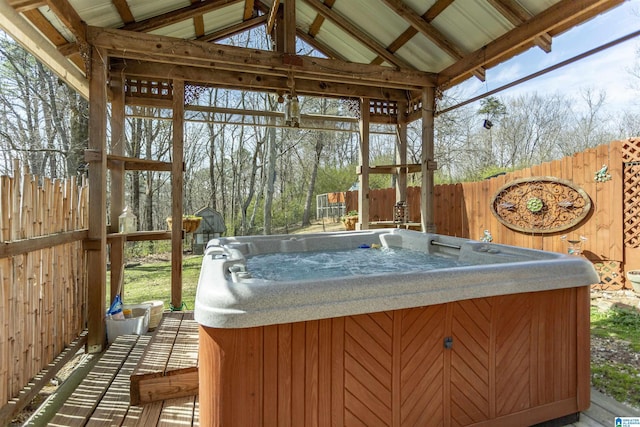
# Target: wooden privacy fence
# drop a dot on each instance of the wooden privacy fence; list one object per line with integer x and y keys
{"x": 611, "y": 228}
{"x": 43, "y": 294}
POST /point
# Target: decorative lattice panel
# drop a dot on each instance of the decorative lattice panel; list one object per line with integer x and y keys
{"x": 384, "y": 108}
{"x": 631, "y": 150}
{"x": 611, "y": 275}
{"x": 149, "y": 89}
{"x": 540, "y": 205}
{"x": 631, "y": 205}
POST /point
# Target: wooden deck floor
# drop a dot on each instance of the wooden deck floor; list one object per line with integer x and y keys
{"x": 103, "y": 397}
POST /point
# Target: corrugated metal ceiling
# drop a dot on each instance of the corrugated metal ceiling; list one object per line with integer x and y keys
{"x": 447, "y": 31}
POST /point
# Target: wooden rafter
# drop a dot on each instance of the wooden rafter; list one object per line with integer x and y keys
{"x": 23, "y": 5}
{"x": 272, "y": 15}
{"x": 431, "y": 13}
{"x": 198, "y": 22}
{"x": 517, "y": 15}
{"x": 124, "y": 11}
{"x": 425, "y": 28}
{"x": 249, "y": 6}
{"x": 314, "y": 29}
{"x": 17, "y": 26}
{"x": 179, "y": 15}
{"x": 289, "y": 20}
{"x": 352, "y": 30}
{"x": 321, "y": 47}
{"x": 124, "y": 44}
{"x": 234, "y": 29}
{"x": 70, "y": 18}
{"x": 70, "y": 50}
{"x": 38, "y": 19}
{"x": 504, "y": 46}
{"x": 420, "y": 25}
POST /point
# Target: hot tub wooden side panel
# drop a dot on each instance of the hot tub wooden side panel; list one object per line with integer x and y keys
{"x": 513, "y": 360}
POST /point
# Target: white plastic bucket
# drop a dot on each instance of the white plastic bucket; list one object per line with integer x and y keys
{"x": 137, "y": 324}
{"x": 157, "y": 308}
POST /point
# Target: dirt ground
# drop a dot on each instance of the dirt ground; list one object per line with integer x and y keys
{"x": 611, "y": 349}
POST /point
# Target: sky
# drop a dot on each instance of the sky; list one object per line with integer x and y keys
{"x": 607, "y": 70}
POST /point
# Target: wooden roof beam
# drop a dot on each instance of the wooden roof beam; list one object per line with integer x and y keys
{"x": 256, "y": 82}
{"x": 555, "y": 16}
{"x": 169, "y": 18}
{"x": 352, "y": 30}
{"x": 517, "y": 14}
{"x": 124, "y": 44}
{"x": 23, "y": 5}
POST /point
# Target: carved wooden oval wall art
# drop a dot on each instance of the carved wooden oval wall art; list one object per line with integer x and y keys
{"x": 540, "y": 205}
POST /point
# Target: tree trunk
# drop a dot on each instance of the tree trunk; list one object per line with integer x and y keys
{"x": 306, "y": 215}
{"x": 270, "y": 175}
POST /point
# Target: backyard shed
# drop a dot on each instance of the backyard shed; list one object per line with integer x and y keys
{"x": 211, "y": 227}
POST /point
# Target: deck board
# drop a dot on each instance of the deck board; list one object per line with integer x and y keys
{"x": 168, "y": 369}
{"x": 87, "y": 396}
{"x": 103, "y": 396}
{"x": 114, "y": 405}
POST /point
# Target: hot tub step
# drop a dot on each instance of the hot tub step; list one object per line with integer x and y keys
{"x": 169, "y": 366}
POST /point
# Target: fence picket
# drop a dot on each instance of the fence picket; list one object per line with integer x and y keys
{"x": 38, "y": 316}
{"x": 604, "y": 227}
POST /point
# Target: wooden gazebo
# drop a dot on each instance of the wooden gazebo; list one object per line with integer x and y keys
{"x": 394, "y": 56}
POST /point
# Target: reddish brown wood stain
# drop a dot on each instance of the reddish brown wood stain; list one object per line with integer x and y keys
{"x": 515, "y": 360}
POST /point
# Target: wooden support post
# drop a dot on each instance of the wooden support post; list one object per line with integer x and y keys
{"x": 426, "y": 193}
{"x": 290, "y": 27}
{"x": 97, "y": 257}
{"x": 116, "y": 254}
{"x": 363, "y": 191}
{"x": 177, "y": 180}
{"x": 401, "y": 153}
{"x": 277, "y": 30}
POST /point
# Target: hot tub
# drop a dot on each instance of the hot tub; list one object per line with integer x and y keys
{"x": 500, "y": 338}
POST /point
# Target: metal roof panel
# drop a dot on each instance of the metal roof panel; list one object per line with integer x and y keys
{"x": 224, "y": 17}
{"x": 424, "y": 55}
{"x": 182, "y": 30}
{"x": 374, "y": 18}
{"x": 473, "y": 25}
{"x": 144, "y": 9}
{"x": 341, "y": 42}
{"x": 100, "y": 13}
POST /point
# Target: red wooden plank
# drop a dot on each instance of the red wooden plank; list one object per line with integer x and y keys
{"x": 284, "y": 375}
{"x": 311, "y": 377}
{"x": 270, "y": 375}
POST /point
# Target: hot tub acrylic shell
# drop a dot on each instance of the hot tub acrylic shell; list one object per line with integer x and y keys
{"x": 227, "y": 297}
{"x": 501, "y": 343}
